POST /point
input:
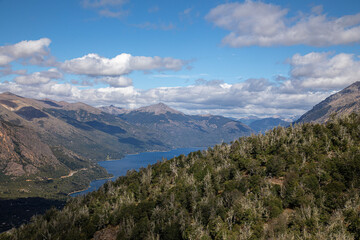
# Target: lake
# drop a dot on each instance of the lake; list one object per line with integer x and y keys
{"x": 133, "y": 161}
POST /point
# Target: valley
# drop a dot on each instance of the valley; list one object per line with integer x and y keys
{"x": 179, "y": 120}
{"x": 295, "y": 182}
{"x": 255, "y": 180}
{"x": 50, "y": 148}
{"x": 259, "y": 163}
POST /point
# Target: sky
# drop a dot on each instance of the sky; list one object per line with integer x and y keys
{"x": 231, "y": 58}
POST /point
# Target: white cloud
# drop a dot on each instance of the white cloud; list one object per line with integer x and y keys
{"x": 38, "y": 77}
{"x": 95, "y": 65}
{"x": 34, "y": 50}
{"x": 102, "y": 3}
{"x": 107, "y": 8}
{"x": 257, "y": 23}
{"x": 213, "y": 97}
{"x": 7, "y": 70}
{"x": 117, "y": 82}
{"x": 324, "y": 71}
{"x": 312, "y": 77}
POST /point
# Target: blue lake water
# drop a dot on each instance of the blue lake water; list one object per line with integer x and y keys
{"x": 134, "y": 161}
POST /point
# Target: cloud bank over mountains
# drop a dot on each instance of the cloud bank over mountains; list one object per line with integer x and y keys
{"x": 312, "y": 77}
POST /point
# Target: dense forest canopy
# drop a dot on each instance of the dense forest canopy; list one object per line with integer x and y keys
{"x": 300, "y": 182}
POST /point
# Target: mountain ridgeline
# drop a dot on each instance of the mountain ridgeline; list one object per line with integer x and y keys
{"x": 180, "y": 130}
{"x": 342, "y": 103}
{"x": 300, "y": 182}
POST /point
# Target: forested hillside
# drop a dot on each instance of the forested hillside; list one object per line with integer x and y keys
{"x": 300, "y": 182}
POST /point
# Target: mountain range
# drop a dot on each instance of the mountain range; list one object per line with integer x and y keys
{"x": 43, "y": 141}
{"x": 180, "y": 130}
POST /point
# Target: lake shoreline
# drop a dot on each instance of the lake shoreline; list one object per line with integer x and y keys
{"x": 152, "y": 151}
{"x": 119, "y": 167}
{"x": 15, "y": 212}
{"x": 84, "y": 189}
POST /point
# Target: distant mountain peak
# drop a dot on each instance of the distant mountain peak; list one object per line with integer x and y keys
{"x": 112, "y": 109}
{"x": 158, "y": 109}
{"x": 8, "y": 93}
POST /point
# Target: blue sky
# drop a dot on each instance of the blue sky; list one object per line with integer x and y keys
{"x": 234, "y": 58}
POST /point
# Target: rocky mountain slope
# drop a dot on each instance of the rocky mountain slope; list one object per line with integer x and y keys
{"x": 342, "y": 103}
{"x": 85, "y": 130}
{"x": 22, "y": 152}
{"x": 180, "y": 130}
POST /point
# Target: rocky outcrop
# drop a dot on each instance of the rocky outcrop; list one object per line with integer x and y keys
{"x": 22, "y": 152}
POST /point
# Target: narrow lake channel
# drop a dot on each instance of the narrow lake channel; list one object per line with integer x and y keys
{"x": 134, "y": 161}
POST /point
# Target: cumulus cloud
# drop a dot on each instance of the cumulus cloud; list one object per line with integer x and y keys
{"x": 7, "y": 70}
{"x": 38, "y": 77}
{"x": 98, "y": 69}
{"x": 257, "y": 23}
{"x": 312, "y": 77}
{"x": 324, "y": 71}
{"x": 95, "y": 65}
{"x": 211, "y": 97}
{"x": 32, "y": 50}
{"x": 117, "y": 82}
